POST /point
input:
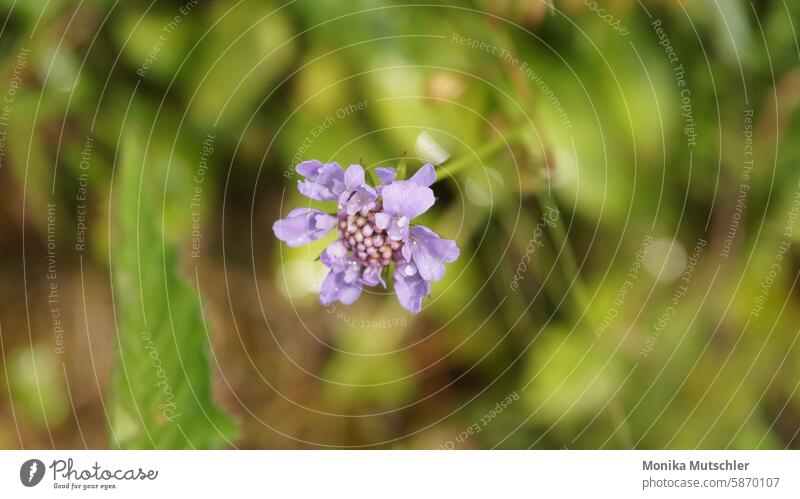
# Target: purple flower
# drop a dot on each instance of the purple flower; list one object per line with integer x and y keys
{"x": 404, "y": 200}
{"x": 337, "y": 287}
{"x": 411, "y": 288}
{"x": 324, "y": 182}
{"x": 374, "y": 231}
{"x": 386, "y": 175}
{"x": 303, "y": 225}
{"x": 342, "y": 282}
{"x": 427, "y": 250}
{"x": 358, "y": 195}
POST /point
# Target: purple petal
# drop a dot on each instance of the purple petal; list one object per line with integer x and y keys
{"x": 362, "y": 198}
{"x": 386, "y": 175}
{"x": 428, "y": 251}
{"x": 308, "y": 168}
{"x": 303, "y": 225}
{"x": 398, "y": 228}
{"x": 336, "y": 287}
{"x": 352, "y": 272}
{"x": 324, "y": 182}
{"x": 410, "y": 287}
{"x": 403, "y": 197}
{"x": 382, "y": 220}
{"x": 335, "y": 257}
{"x": 333, "y": 254}
{"x": 425, "y": 176}
{"x": 395, "y": 225}
{"x": 406, "y": 251}
{"x": 372, "y": 276}
{"x": 354, "y": 177}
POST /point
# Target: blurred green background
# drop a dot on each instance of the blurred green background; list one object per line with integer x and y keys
{"x": 622, "y": 183}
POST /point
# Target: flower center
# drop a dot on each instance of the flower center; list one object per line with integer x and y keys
{"x": 369, "y": 243}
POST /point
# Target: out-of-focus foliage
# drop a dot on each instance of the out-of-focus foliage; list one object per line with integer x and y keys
{"x": 220, "y": 99}
{"x": 160, "y": 394}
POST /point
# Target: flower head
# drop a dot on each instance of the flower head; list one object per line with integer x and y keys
{"x": 374, "y": 231}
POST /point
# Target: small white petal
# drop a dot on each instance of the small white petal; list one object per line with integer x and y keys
{"x": 429, "y": 150}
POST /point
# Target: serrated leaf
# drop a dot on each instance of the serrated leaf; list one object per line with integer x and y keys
{"x": 161, "y": 383}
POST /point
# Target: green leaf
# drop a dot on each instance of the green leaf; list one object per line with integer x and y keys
{"x": 161, "y": 382}
{"x": 402, "y": 168}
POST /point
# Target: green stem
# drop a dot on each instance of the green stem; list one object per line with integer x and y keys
{"x": 482, "y": 153}
{"x": 569, "y": 265}
{"x": 567, "y": 260}
{"x": 402, "y": 169}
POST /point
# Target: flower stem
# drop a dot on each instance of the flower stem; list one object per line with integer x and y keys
{"x": 568, "y": 262}
{"x": 402, "y": 168}
{"x": 481, "y": 153}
